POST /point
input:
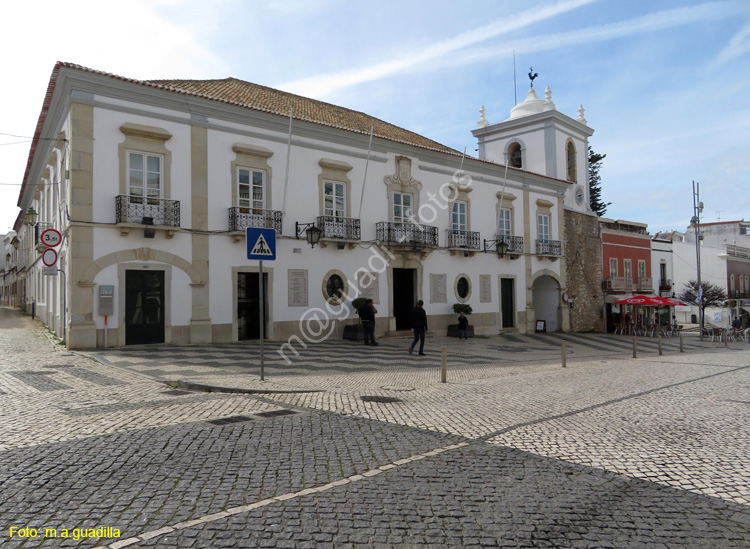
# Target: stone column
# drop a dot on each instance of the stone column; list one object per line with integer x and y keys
{"x": 82, "y": 330}
{"x": 200, "y": 320}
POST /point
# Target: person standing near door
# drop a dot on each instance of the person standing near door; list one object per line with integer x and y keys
{"x": 419, "y": 325}
{"x": 367, "y": 314}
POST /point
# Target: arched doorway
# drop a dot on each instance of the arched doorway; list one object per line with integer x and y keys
{"x": 546, "y": 298}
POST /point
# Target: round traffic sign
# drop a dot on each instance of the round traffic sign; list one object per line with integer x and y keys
{"x": 51, "y": 237}
{"x": 49, "y": 257}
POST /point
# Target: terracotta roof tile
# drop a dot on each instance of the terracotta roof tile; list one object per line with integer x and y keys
{"x": 276, "y": 101}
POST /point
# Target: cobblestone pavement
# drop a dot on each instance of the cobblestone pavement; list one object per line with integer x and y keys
{"x": 609, "y": 452}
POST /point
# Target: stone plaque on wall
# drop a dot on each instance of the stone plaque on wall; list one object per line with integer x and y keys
{"x": 368, "y": 285}
{"x": 485, "y": 288}
{"x": 438, "y": 288}
{"x": 297, "y": 279}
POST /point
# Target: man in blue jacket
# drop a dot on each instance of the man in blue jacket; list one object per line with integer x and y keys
{"x": 419, "y": 325}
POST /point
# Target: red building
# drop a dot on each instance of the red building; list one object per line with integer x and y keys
{"x": 626, "y": 253}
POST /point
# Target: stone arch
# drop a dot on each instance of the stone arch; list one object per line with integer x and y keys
{"x": 545, "y": 295}
{"x": 513, "y": 148}
{"x": 139, "y": 254}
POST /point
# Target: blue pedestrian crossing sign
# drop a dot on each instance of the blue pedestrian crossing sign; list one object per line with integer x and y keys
{"x": 261, "y": 244}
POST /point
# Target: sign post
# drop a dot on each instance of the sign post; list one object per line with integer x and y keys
{"x": 261, "y": 245}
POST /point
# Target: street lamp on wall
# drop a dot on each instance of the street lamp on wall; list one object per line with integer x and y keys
{"x": 15, "y": 242}
{"x": 31, "y": 216}
{"x": 312, "y": 233}
{"x": 502, "y": 248}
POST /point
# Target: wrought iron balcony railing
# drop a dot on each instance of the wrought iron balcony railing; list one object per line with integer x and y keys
{"x": 242, "y": 218}
{"x": 39, "y": 228}
{"x": 513, "y": 245}
{"x": 406, "y": 233}
{"x": 548, "y": 247}
{"x": 346, "y": 228}
{"x": 620, "y": 283}
{"x": 463, "y": 239}
{"x": 147, "y": 211}
{"x": 644, "y": 284}
{"x": 665, "y": 284}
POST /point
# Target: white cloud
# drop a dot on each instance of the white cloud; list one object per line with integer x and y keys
{"x": 738, "y": 45}
{"x": 132, "y": 39}
{"x": 319, "y": 86}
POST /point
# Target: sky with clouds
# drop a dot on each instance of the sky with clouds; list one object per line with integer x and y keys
{"x": 664, "y": 82}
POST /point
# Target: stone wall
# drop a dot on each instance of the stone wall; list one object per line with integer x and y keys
{"x": 583, "y": 248}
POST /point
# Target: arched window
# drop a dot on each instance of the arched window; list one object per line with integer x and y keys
{"x": 515, "y": 158}
{"x": 570, "y": 155}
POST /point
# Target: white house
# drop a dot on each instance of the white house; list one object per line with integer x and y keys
{"x": 152, "y": 184}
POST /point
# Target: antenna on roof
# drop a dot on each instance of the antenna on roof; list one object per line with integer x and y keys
{"x": 719, "y": 213}
{"x": 515, "y": 86}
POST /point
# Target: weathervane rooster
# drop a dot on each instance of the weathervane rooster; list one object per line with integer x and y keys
{"x": 532, "y": 75}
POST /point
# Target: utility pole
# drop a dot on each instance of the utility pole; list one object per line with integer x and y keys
{"x": 697, "y": 209}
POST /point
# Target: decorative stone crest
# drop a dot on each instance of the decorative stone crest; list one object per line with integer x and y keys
{"x": 402, "y": 178}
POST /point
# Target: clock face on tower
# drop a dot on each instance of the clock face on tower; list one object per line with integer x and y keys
{"x": 579, "y": 195}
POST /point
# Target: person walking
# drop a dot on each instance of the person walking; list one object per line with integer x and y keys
{"x": 419, "y": 325}
{"x": 463, "y": 326}
{"x": 367, "y": 314}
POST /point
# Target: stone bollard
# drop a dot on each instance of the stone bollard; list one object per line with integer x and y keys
{"x": 444, "y": 366}
{"x": 564, "y": 354}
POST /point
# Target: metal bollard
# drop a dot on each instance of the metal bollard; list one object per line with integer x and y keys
{"x": 660, "y": 349}
{"x": 444, "y": 367}
{"x": 682, "y": 350}
{"x": 635, "y": 346}
{"x": 564, "y": 354}
{"x": 726, "y": 338}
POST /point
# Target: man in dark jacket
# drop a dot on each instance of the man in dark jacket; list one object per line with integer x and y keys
{"x": 367, "y": 314}
{"x": 419, "y": 325}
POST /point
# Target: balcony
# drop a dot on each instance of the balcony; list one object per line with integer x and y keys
{"x": 513, "y": 245}
{"x": 341, "y": 228}
{"x": 243, "y": 218}
{"x": 406, "y": 233}
{"x": 618, "y": 284}
{"x": 644, "y": 284}
{"x": 665, "y": 285}
{"x": 138, "y": 211}
{"x": 463, "y": 239}
{"x": 548, "y": 247}
{"x": 39, "y": 228}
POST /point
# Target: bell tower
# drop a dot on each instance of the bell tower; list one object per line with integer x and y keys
{"x": 538, "y": 138}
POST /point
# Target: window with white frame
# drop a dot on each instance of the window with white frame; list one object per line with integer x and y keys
{"x": 747, "y": 283}
{"x": 334, "y": 201}
{"x": 503, "y": 222}
{"x": 612, "y": 267}
{"x": 543, "y": 227}
{"x": 402, "y": 207}
{"x": 458, "y": 218}
{"x": 731, "y": 283}
{"x": 144, "y": 175}
{"x": 742, "y": 285}
{"x": 627, "y": 269}
{"x": 641, "y": 269}
{"x": 251, "y": 188}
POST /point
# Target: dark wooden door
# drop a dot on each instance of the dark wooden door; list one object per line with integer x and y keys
{"x": 248, "y": 306}
{"x": 144, "y": 307}
{"x": 506, "y": 301}
{"x": 404, "y": 299}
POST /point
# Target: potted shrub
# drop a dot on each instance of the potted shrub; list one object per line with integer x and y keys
{"x": 356, "y": 332}
{"x": 466, "y": 309}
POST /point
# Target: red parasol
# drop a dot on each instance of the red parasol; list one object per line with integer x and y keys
{"x": 646, "y": 300}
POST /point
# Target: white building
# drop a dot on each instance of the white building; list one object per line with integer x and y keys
{"x": 152, "y": 184}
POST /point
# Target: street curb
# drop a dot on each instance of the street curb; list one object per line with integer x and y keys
{"x": 186, "y": 385}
